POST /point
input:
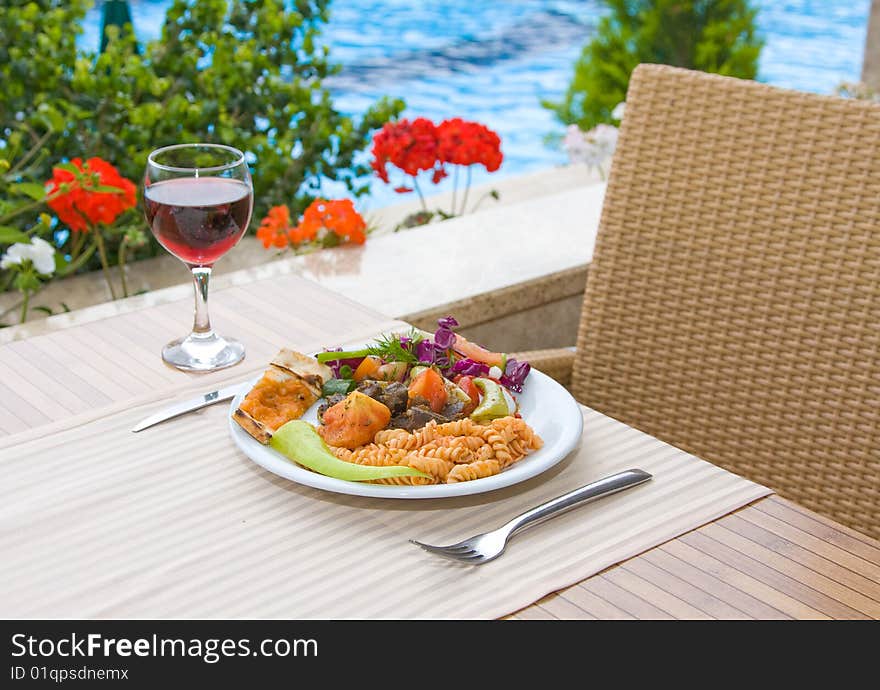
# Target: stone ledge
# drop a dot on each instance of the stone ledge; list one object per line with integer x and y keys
{"x": 542, "y": 312}
{"x": 164, "y": 271}
{"x": 537, "y": 238}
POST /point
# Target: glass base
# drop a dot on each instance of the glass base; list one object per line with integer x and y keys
{"x": 203, "y": 352}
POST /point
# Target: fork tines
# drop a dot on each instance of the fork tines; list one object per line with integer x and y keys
{"x": 463, "y": 552}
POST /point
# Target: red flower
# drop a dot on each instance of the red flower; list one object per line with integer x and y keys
{"x": 274, "y": 228}
{"x": 467, "y": 143}
{"x": 339, "y": 217}
{"x": 304, "y": 232}
{"x": 80, "y": 206}
{"x": 421, "y": 145}
{"x": 411, "y": 146}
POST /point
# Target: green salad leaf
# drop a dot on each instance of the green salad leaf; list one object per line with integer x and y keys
{"x": 390, "y": 349}
{"x": 338, "y": 387}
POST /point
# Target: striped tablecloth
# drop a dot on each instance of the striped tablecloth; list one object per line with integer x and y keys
{"x": 175, "y": 522}
{"x": 52, "y": 381}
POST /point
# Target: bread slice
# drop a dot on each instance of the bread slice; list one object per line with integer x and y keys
{"x": 307, "y": 368}
{"x": 289, "y": 386}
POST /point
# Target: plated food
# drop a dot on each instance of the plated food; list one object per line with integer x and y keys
{"x": 409, "y": 409}
{"x": 290, "y": 385}
{"x": 457, "y": 451}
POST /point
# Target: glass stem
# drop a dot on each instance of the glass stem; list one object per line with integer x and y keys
{"x": 202, "y": 321}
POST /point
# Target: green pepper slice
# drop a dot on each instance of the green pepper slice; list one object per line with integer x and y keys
{"x": 493, "y": 405}
{"x": 298, "y": 441}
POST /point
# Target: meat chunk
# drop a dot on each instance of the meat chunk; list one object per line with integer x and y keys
{"x": 328, "y": 403}
{"x": 390, "y": 393}
{"x": 453, "y": 409}
{"x": 415, "y": 418}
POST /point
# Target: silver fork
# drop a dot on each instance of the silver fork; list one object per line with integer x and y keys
{"x": 482, "y": 548}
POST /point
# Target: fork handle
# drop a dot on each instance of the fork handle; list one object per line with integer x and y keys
{"x": 578, "y": 497}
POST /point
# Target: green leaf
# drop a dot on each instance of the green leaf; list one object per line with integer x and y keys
{"x": 35, "y": 191}
{"x": 106, "y": 189}
{"x": 717, "y": 36}
{"x": 27, "y": 280}
{"x": 338, "y": 387}
{"x": 389, "y": 347}
{"x": 10, "y": 235}
{"x": 69, "y": 167}
{"x": 51, "y": 117}
{"x": 250, "y": 72}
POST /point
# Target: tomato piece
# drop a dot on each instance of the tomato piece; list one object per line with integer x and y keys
{"x": 368, "y": 369}
{"x": 429, "y": 386}
{"x": 466, "y": 383}
{"x": 479, "y": 354}
{"x": 354, "y": 421}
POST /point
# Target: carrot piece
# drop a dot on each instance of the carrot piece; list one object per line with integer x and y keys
{"x": 368, "y": 369}
{"x": 479, "y": 354}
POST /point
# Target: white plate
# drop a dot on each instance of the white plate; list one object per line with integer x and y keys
{"x": 545, "y": 405}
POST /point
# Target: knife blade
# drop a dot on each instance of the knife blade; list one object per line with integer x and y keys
{"x": 191, "y": 405}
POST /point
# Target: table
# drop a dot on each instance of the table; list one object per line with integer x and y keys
{"x": 771, "y": 559}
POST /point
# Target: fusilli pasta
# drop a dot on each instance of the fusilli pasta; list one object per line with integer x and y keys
{"x": 457, "y": 451}
{"x": 473, "y": 470}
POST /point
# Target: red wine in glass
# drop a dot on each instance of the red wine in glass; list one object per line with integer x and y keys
{"x": 198, "y": 200}
{"x": 198, "y": 219}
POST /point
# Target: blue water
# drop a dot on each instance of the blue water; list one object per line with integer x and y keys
{"x": 494, "y": 60}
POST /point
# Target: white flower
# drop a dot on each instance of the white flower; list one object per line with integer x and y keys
{"x": 574, "y": 142}
{"x": 617, "y": 113}
{"x": 594, "y": 147}
{"x": 579, "y": 148}
{"x": 605, "y": 137}
{"x": 40, "y": 252}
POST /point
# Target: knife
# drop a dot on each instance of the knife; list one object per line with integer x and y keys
{"x": 185, "y": 406}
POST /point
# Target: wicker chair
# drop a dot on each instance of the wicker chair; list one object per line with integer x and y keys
{"x": 733, "y": 303}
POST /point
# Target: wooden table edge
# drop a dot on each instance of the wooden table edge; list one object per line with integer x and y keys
{"x": 771, "y": 558}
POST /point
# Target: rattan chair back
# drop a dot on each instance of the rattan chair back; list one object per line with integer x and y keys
{"x": 733, "y": 304}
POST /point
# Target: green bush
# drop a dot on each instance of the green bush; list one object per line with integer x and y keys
{"x": 709, "y": 35}
{"x": 242, "y": 72}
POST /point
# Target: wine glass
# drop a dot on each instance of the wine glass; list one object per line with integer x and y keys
{"x": 198, "y": 200}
